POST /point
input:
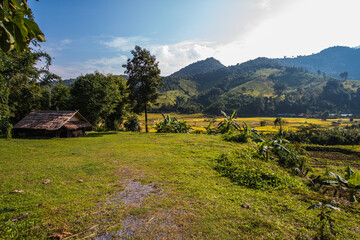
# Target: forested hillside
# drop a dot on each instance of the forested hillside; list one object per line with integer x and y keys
{"x": 257, "y": 87}
{"x": 331, "y": 61}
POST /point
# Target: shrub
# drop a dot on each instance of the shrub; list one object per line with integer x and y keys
{"x": 172, "y": 125}
{"x": 6, "y": 128}
{"x": 286, "y": 154}
{"x": 263, "y": 123}
{"x": 239, "y": 137}
{"x": 246, "y": 170}
{"x": 314, "y": 134}
{"x": 132, "y": 124}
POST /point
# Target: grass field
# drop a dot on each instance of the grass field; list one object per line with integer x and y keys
{"x": 148, "y": 186}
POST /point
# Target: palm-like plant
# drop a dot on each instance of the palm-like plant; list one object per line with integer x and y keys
{"x": 228, "y": 124}
{"x": 351, "y": 183}
{"x": 172, "y": 125}
{"x": 265, "y": 147}
{"x": 279, "y": 122}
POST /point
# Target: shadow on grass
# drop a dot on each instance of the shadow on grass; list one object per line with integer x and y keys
{"x": 99, "y": 134}
{"x": 90, "y": 134}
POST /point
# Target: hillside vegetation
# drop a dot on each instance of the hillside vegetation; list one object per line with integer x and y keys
{"x": 257, "y": 87}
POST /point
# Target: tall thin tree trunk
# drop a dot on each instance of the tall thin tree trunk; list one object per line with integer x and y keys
{"x": 146, "y": 122}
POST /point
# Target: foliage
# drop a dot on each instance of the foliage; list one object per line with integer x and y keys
{"x": 172, "y": 125}
{"x": 22, "y": 82}
{"x": 209, "y": 129}
{"x": 144, "y": 80}
{"x": 100, "y": 98}
{"x": 5, "y": 128}
{"x": 325, "y": 218}
{"x": 285, "y": 153}
{"x": 279, "y": 122}
{"x": 132, "y": 123}
{"x": 60, "y": 97}
{"x": 17, "y": 26}
{"x": 244, "y": 169}
{"x": 325, "y": 136}
{"x": 242, "y": 135}
{"x": 229, "y": 123}
{"x": 351, "y": 183}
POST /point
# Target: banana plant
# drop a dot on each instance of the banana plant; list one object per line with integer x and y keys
{"x": 172, "y": 125}
{"x": 325, "y": 217}
{"x": 228, "y": 124}
{"x": 265, "y": 147}
{"x": 351, "y": 183}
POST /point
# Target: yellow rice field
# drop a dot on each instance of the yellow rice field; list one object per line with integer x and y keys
{"x": 199, "y": 121}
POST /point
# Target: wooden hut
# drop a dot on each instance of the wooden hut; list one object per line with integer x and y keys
{"x": 52, "y": 124}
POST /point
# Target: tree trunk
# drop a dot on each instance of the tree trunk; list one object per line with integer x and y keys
{"x": 146, "y": 122}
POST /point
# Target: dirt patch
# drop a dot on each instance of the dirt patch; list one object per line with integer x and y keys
{"x": 140, "y": 220}
{"x": 134, "y": 193}
{"x": 160, "y": 225}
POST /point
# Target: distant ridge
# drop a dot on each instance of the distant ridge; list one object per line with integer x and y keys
{"x": 199, "y": 67}
{"x": 331, "y": 61}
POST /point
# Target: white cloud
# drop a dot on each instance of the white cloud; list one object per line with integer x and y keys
{"x": 66, "y": 41}
{"x": 111, "y": 65}
{"x": 124, "y": 43}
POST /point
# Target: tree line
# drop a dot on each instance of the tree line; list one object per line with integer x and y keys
{"x": 105, "y": 100}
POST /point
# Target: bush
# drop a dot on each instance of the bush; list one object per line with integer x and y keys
{"x": 246, "y": 170}
{"x": 325, "y": 136}
{"x": 239, "y": 137}
{"x": 172, "y": 125}
{"x": 6, "y": 128}
{"x": 132, "y": 124}
{"x": 263, "y": 123}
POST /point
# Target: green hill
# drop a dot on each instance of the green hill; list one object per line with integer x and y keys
{"x": 331, "y": 61}
{"x": 207, "y": 65}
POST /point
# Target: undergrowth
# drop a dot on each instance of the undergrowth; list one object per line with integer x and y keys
{"x": 244, "y": 168}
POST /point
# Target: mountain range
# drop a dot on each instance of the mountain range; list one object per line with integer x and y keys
{"x": 312, "y": 81}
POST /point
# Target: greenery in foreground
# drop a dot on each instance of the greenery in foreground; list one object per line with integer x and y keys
{"x": 194, "y": 199}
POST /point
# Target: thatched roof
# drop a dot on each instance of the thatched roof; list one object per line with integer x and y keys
{"x": 53, "y": 120}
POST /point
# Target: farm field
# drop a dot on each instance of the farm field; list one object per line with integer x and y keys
{"x": 199, "y": 121}
{"x": 152, "y": 186}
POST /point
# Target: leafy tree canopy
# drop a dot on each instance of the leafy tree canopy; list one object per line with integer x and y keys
{"x": 100, "y": 98}
{"x": 17, "y": 27}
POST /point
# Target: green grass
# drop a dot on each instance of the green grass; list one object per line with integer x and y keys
{"x": 192, "y": 200}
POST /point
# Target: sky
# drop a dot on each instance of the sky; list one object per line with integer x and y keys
{"x": 84, "y": 36}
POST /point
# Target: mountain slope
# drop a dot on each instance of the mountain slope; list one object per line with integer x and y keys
{"x": 204, "y": 66}
{"x": 331, "y": 61}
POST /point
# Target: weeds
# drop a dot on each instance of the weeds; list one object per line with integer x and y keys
{"x": 246, "y": 170}
{"x": 325, "y": 218}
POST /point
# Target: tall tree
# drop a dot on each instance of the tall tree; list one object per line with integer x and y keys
{"x": 101, "y": 99}
{"x": 144, "y": 80}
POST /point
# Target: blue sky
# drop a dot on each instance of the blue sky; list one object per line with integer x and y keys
{"x": 87, "y": 35}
